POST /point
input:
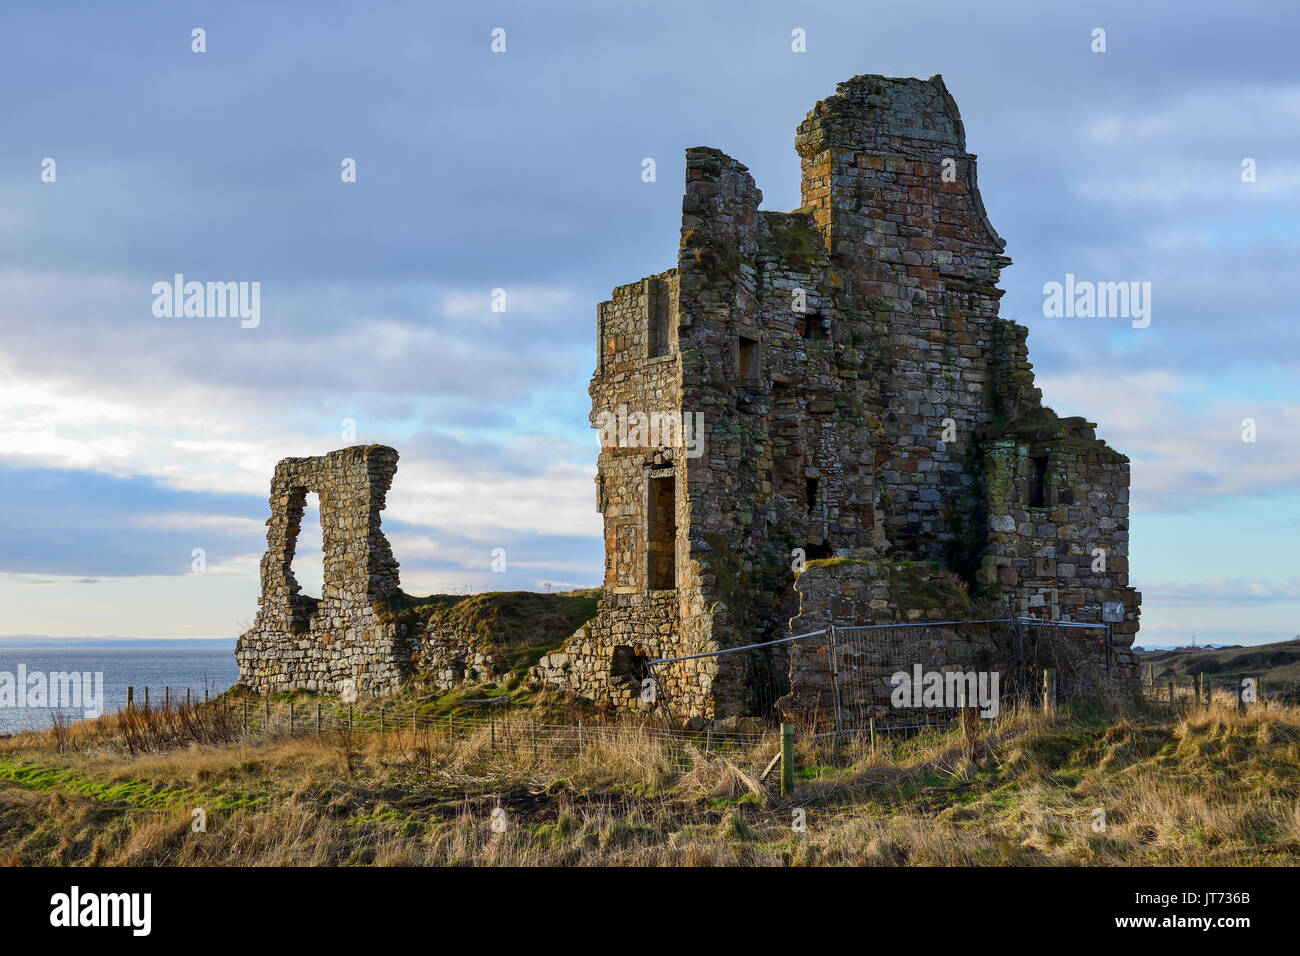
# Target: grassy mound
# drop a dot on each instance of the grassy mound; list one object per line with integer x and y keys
{"x": 1272, "y": 662}
{"x": 515, "y": 627}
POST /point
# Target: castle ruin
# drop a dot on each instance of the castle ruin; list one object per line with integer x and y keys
{"x": 343, "y": 640}
{"x": 861, "y": 400}
{"x": 817, "y": 417}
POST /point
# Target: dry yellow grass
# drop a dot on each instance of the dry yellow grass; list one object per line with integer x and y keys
{"x": 1209, "y": 786}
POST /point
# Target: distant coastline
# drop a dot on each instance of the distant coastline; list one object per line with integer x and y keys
{"x": 169, "y": 643}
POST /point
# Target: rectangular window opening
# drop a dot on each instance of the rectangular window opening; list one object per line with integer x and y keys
{"x": 661, "y": 541}
{"x": 629, "y": 664}
{"x": 747, "y": 355}
{"x": 818, "y": 552}
{"x": 1038, "y": 482}
{"x": 810, "y": 327}
{"x": 658, "y": 321}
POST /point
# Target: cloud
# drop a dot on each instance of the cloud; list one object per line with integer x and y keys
{"x": 125, "y": 441}
{"x": 190, "y": 520}
{"x": 1184, "y": 439}
{"x": 1221, "y": 591}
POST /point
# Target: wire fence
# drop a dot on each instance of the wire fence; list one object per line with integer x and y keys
{"x": 860, "y": 664}
{"x": 493, "y": 738}
{"x": 494, "y": 732}
{"x": 865, "y": 661}
{"x": 845, "y": 678}
{"x": 1182, "y": 690}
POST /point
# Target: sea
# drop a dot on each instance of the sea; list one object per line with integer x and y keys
{"x": 208, "y": 668}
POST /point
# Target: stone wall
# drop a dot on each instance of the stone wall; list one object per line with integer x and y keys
{"x": 938, "y": 627}
{"x": 301, "y": 642}
{"x": 845, "y": 594}
{"x": 856, "y": 386}
{"x": 488, "y": 638}
{"x": 1058, "y": 527}
{"x": 449, "y": 656}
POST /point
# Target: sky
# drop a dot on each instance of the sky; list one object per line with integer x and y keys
{"x": 129, "y": 440}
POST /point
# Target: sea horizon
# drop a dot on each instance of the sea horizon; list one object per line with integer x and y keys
{"x": 112, "y": 669}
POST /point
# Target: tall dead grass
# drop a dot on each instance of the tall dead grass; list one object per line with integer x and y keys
{"x": 1205, "y": 785}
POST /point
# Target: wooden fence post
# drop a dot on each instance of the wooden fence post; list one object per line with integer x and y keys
{"x": 381, "y": 720}
{"x": 871, "y": 722}
{"x": 969, "y": 719}
{"x": 146, "y": 696}
{"x": 167, "y": 697}
{"x": 267, "y": 715}
{"x": 580, "y": 735}
{"x": 787, "y": 759}
{"x": 1049, "y": 690}
{"x": 1171, "y": 690}
{"x": 291, "y": 718}
{"x": 130, "y": 697}
{"x": 318, "y": 717}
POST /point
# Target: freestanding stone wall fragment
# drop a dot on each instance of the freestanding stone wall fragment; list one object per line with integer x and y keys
{"x": 859, "y": 397}
{"x": 340, "y": 640}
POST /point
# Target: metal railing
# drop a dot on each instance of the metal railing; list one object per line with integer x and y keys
{"x": 861, "y": 661}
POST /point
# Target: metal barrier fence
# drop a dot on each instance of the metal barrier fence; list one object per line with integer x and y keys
{"x": 864, "y": 660}
{"x": 766, "y": 677}
{"x": 856, "y": 666}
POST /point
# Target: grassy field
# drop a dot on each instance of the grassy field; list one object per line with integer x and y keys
{"x": 1209, "y": 786}
{"x": 1273, "y": 663}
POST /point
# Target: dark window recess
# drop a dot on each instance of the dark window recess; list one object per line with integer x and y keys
{"x": 629, "y": 664}
{"x": 661, "y": 538}
{"x": 1038, "y": 482}
{"x": 810, "y": 489}
{"x": 816, "y": 552}
{"x": 747, "y": 359}
{"x": 659, "y": 314}
{"x": 810, "y": 327}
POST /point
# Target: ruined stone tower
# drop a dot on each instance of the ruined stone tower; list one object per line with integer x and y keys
{"x": 859, "y": 398}
{"x": 342, "y": 640}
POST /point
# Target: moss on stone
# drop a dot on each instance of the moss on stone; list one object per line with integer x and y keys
{"x": 793, "y": 240}
{"x": 923, "y": 585}
{"x": 717, "y": 259}
{"x": 837, "y": 562}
